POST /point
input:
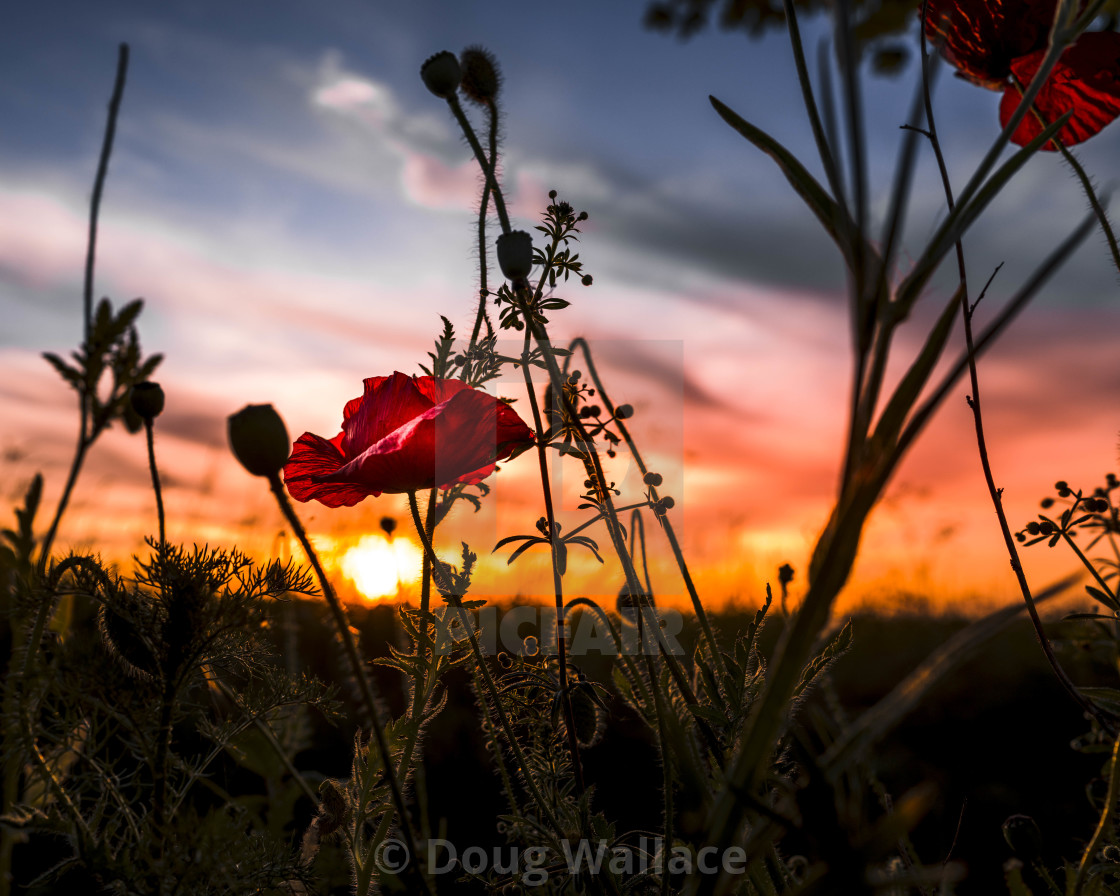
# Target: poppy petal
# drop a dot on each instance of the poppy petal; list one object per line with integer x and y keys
{"x": 438, "y": 390}
{"x": 389, "y": 402}
{"x": 312, "y": 458}
{"x": 982, "y": 38}
{"x": 1085, "y": 80}
{"x": 471, "y": 431}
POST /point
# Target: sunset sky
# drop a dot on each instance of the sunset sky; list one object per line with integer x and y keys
{"x": 297, "y": 211}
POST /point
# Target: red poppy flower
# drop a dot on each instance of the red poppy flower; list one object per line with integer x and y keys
{"x": 405, "y": 434}
{"x": 996, "y": 43}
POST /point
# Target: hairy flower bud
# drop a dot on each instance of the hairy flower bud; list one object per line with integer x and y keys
{"x": 259, "y": 439}
{"x": 441, "y": 74}
{"x": 515, "y": 254}
{"x": 482, "y": 78}
{"x": 146, "y": 400}
{"x": 1023, "y": 836}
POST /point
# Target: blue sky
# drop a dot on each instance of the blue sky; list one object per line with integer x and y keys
{"x": 296, "y": 209}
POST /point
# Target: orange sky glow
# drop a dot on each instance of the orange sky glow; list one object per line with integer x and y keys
{"x": 285, "y": 256}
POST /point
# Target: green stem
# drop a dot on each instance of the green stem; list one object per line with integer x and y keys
{"x": 480, "y": 660}
{"x": 1105, "y": 819}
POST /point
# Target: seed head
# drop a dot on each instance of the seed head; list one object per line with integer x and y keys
{"x": 515, "y": 254}
{"x": 259, "y": 439}
{"x": 146, "y": 400}
{"x": 441, "y": 74}
{"x": 482, "y": 79}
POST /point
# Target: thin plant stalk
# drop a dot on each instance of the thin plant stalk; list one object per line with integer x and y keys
{"x": 148, "y": 432}
{"x": 666, "y": 525}
{"x": 85, "y": 436}
{"x": 557, "y": 577}
{"x": 491, "y": 688}
{"x": 967, "y": 310}
{"x": 1105, "y": 821}
{"x": 342, "y": 624}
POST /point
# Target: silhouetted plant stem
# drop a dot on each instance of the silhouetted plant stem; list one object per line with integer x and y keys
{"x": 488, "y": 170}
{"x": 557, "y": 578}
{"x": 99, "y": 182}
{"x": 1086, "y": 183}
{"x": 342, "y": 624}
{"x": 670, "y": 534}
{"x": 996, "y": 493}
{"x": 491, "y": 177}
{"x": 148, "y": 432}
{"x": 71, "y": 480}
{"x": 85, "y": 436}
{"x": 1088, "y": 565}
{"x": 265, "y": 729}
{"x": 454, "y": 599}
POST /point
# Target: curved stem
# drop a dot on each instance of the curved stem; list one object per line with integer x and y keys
{"x": 491, "y": 172}
{"x": 491, "y": 688}
{"x": 488, "y": 170}
{"x": 342, "y": 624}
{"x": 71, "y": 480}
{"x": 670, "y": 534}
{"x": 1106, "y": 818}
{"x": 148, "y": 430}
{"x": 996, "y": 494}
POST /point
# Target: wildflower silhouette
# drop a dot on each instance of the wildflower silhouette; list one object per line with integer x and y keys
{"x": 1000, "y": 44}
{"x": 405, "y": 434}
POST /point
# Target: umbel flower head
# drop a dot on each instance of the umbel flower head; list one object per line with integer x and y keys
{"x": 996, "y": 43}
{"x": 405, "y": 434}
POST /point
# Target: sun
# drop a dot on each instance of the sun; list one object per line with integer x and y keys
{"x": 379, "y": 567}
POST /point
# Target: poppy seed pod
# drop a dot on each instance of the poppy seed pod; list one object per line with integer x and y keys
{"x": 515, "y": 254}
{"x": 146, "y": 400}
{"x": 441, "y": 74}
{"x": 259, "y": 439}
{"x": 481, "y": 77}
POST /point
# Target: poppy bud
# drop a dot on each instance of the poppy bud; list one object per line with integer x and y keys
{"x": 146, "y": 400}
{"x": 586, "y": 715}
{"x": 441, "y": 74}
{"x": 481, "y": 78}
{"x": 1023, "y": 836}
{"x": 259, "y": 439}
{"x": 515, "y": 254}
{"x": 388, "y": 525}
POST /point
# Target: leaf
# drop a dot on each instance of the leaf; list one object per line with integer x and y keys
{"x": 811, "y": 192}
{"x": 71, "y": 374}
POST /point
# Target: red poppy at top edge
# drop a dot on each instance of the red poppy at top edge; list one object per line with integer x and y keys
{"x": 403, "y": 435}
{"x": 999, "y": 44}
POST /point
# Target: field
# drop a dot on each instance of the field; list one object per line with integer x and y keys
{"x": 199, "y": 719}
